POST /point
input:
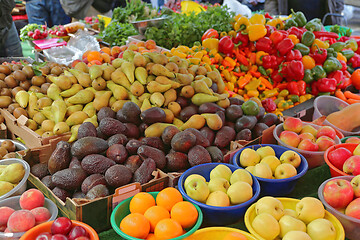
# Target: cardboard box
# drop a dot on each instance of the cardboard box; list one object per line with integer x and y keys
{"x": 31, "y": 139}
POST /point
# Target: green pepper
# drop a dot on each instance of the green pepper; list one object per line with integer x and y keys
{"x": 302, "y": 48}
{"x": 294, "y": 98}
{"x": 307, "y": 38}
{"x": 338, "y": 46}
{"x": 348, "y": 53}
{"x": 351, "y": 43}
{"x": 324, "y": 93}
{"x": 331, "y": 53}
{"x": 308, "y": 76}
{"x": 299, "y": 18}
{"x": 318, "y": 72}
{"x": 283, "y": 93}
{"x": 244, "y": 68}
{"x": 314, "y": 25}
{"x": 350, "y": 69}
{"x": 332, "y": 64}
{"x": 290, "y": 23}
{"x": 262, "y": 70}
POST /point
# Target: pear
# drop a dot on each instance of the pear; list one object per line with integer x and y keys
{"x": 82, "y": 97}
{"x": 99, "y": 84}
{"x": 82, "y": 77}
{"x": 200, "y": 98}
{"x": 157, "y": 58}
{"x": 112, "y": 100}
{"x": 224, "y": 103}
{"x": 128, "y": 55}
{"x": 58, "y": 107}
{"x": 76, "y": 118}
{"x": 201, "y": 87}
{"x": 60, "y": 128}
{"x": 150, "y": 78}
{"x": 93, "y": 120}
{"x": 40, "y": 95}
{"x": 141, "y": 75}
{"x": 187, "y": 91}
{"x": 170, "y": 96}
{"x": 177, "y": 122}
{"x": 175, "y": 59}
{"x": 81, "y": 66}
{"x": 74, "y": 133}
{"x": 169, "y": 115}
{"x": 13, "y": 173}
{"x": 91, "y": 89}
{"x": 139, "y": 60}
{"x": 129, "y": 69}
{"x": 145, "y": 105}
{"x": 62, "y": 81}
{"x": 39, "y": 132}
{"x": 31, "y": 124}
{"x": 157, "y": 99}
{"x": 172, "y": 67}
{"x": 184, "y": 79}
{"x": 134, "y": 99}
{"x": 156, "y": 129}
{"x": 160, "y": 70}
{"x": 39, "y": 118}
{"x": 46, "y": 111}
{"x": 213, "y": 121}
{"x": 184, "y": 63}
{"x": 74, "y": 108}
{"x": 71, "y": 91}
{"x": 118, "y": 91}
{"x": 89, "y": 109}
{"x": 116, "y": 63}
{"x": 165, "y": 80}
{"x": 137, "y": 88}
{"x": 157, "y": 87}
{"x": 192, "y": 70}
{"x": 120, "y": 78}
{"x": 214, "y": 76}
{"x": 195, "y": 121}
{"x": 116, "y": 106}
{"x": 207, "y": 80}
{"x": 32, "y": 105}
{"x": 101, "y": 99}
{"x": 144, "y": 96}
{"x": 47, "y": 134}
{"x": 43, "y": 102}
{"x": 5, "y": 187}
{"x": 175, "y": 108}
{"x": 22, "y": 98}
{"x": 107, "y": 71}
{"x": 95, "y": 71}
{"x": 53, "y": 92}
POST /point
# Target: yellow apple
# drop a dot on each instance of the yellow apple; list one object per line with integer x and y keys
{"x": 290, "y": 212}
{"x": 239, "y": 192}
{"x": 262, "y": 170}
{"x": 296, "y": 235}
{"x": 285, "y": 170}
{"x": 309, "y": 129}
{"x": 249, "y": 157}
{"x": 291, "y": 157}
{"x": 309, "y": 209}
{"x": 218, "y": 184}
{"x": 192, "y": 176}
{"x": 250, "y": 169}
{"x": 270, "y": 205}
{"x": 321, "y": 229}
{"x": 241, "y": 175}
{"x": 218, "y": 199}
{"x": 197, "y": 189}
{"x": 288, "y": 223}
{"x": 272, "y": 161}
{"x": 221, "y": 171}
{"x": 265, "y": 151}
{"x": 357, "y": 150}
{"x": 266, "y": 226}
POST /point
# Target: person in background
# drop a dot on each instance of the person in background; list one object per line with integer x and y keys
{"x": 255, "y": 5}
{"x": 46, "y": 12}
{"x": 9, "y": 39}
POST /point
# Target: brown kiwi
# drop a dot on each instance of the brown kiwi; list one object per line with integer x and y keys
{"x": 12, "y": 107}
{"x": 44, "y": 87}
{"x": 5, "y": 92}
{"x": 11, "y": 81}
{"x": 25, "y": 85}
{"x": 56, "y": 70}
{"x": 9, "y": 155}
{"x": 3, "y": 152}
{"x": 2, "y": 119}
{"x": 52, "y": 64}
{"x": 45, "y": 70}
{"x": 35, "y": 89}
{"x": 29, "y": 72}
{"x": 20, "y": 111}
{"x": 2, "y": 84}
{"x": 5, "y": 69}
{"x": 2, "y": 76}
{"x": 5, "y": 101}
{"x": 19, "y": 75}
{"x": 8, "y": 145}
{"x": 37, "y": 80}
{"x": 15, "y": 90}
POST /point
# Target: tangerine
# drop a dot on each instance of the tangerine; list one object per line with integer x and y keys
{"x": 168, "y": 197}
{"x": 135, "y": 225}
{"x": 184, "y": 213}
{"x": 106, "y": 50}
{"x": 151, "y": 236}
{"x": 167, "y": 229}
{"x": 234, "y": 236}
{"x": 154, "y": 214}
{"x": 94, "y": 55}
{"x": 141, "y": 202}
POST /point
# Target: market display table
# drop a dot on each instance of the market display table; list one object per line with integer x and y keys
{"x": 306, "y": 186}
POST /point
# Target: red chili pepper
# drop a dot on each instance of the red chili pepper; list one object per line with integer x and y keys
{"x": 269, "y": 61}
{"x": 319, "y": 55}
{"x": 326, "y": 84}
{"x": 270, "y": 30}
{"x": 263, "y": 44}
{"x": 282, "y": 86}
{"x": 241, "y": 58}
{"x": 329, "y": 40}
{"x": 210, "y": 33}
{"x": 355, "y": 61}
{"x": 293, "y": 88}
{"x": 302, "y": 87}
{"x": 276, "y": 37}
{"x": 358, "y": 43}
{"x": 285, "y": 46}
{"x": 343, "y": 39}
{"x": 293, "y": 55}
{"x": 267, "y": 15}
{"x": 226, "y": 45}
{"x": 298, "y": 32}
{"x": 269, "y": 105}
{"x": 241, "y": 40}
{"x": 294, "y": 70}
{"x": 319, "y": 34}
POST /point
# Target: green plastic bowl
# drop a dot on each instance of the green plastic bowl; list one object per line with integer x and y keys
{"x": 345, "y": 138}
{"x": 343, "y": 29}
{"x": 122, "y": 210}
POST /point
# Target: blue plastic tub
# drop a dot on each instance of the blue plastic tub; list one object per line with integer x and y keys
{"x": 275, "y": 187}
{"x": 218, "y": 216}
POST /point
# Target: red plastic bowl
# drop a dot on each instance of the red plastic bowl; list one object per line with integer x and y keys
{"x": 335, "y": 172}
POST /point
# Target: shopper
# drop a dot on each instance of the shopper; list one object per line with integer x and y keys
{"x": 46, "y": 12}
{"x": 9, "y": 39}
{"x": 79, "y": 9}
{"x": 255, "y": 5}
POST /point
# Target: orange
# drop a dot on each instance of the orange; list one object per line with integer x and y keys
{"x": 135, "y": 225}
{"x": 150, "y": 44}
{"x": 86, "y": 54}
{"x": 94, "y": 55}
{"x": 167, "y": 228}
{"x": 154, "y": 214}
{"x": 141, "y": 202}
{"x": 168, "y": 197}
{"x": 151, "y": 236}
{"x": 106, "y": 50}
{"x": 234, "y": 236}
{"x": 184, "y": 213}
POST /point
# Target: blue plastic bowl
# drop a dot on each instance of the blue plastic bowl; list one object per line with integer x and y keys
{"x": 218, "y": 216}
{"x": 275, "y": 187}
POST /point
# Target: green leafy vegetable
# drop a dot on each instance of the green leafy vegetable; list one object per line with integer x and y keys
{"x": 116, "y": 33}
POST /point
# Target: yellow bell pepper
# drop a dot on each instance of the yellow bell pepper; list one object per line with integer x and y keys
{"x": 232, "y": 33}
{"x": 320, "y": 44}
{"x": 257, "y": 19}
{"x": 230, "y": 86}
{"x": 340, "y": 56}
{"x": 237, "y": 17}
{"x": 223, "y": 34}
{"x": 256, "y": 31}
{"x": 231, "y": 61}
{"x": 183, "y": 48}
{"x": 259, "y": 56}
{"x": 226, "y": 74}
{"x": 179, "y": 54}
{"x": 277, "y": 23}
{"x": 213, "y": 51}
{"x": 211, "y": 43}
{"x": 241, "y": 24}
{"x": 294, "y": 38}
{"x": 199, "y": 54}
{"x": 195, "y": 61}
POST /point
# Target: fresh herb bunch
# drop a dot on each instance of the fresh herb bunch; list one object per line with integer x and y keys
{"x": 135, "y": 10}
{"x": 338, "y": 30}
{"x": 185, "y": 29}
{"x": 117, "y": 33}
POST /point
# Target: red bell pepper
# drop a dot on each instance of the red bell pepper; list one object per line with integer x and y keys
{"x": 298, "y": 32}
{"x": 319, "y": 34}
{"x": 343, "y": 39}
{"x": 269, "y": 30}
{"x": 263, "y": 44}
{"x": 344, "y": 66}
{"x": 293, "y": 88}
{"x": 294, "y": 70}
{"x": 284, "y": 32}
{"x": 344, "y": 83}
{"x": 329, "y": 40}
{"x": 226, "y": 45}
{"x": 302, "y": 87}
{"x": 358, "y": 43}
{"x": 276, "y": 76}
{"x": 269, "y": 105}
{"x": 276, "y": 37}
{"x": 326, "y": 84}
{"x": 293, "y": 55}
{"x": 267, "y": 15}
{"x": 355, "y": 61}
{"x": 319, "y": 55}
{"x": 314, "y": 88}
{"x": 210, "y": 33}
{"x": 279, "y": 59}
{"x": 269, "y": 61}
{"x": 241, "y": 40}
{"x": 285, "y": 46}
{"x": 338, "y": 75}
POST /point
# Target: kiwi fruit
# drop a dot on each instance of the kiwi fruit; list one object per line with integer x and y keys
{"x": 5, "y": 69}
{"x": 29, "y": 72}
{"x": 9, "y": 145}
{"x": 52, "y": 64}
{"x": 9, "y": 155}
{"x": 3, "y": 152}
{"x": 11, "y": 81}
{"x": 2, "y": 119}
{"x": 44, "y": 87}
{"x": 15, "y": 90}
{"x": 25, "y": 85}
{"x": 2, "y": 83}
{"x": 35, "y": 89}
{"x": 12, "y": 107}
{"x": 16, "y": 67}
{"x": 2, "y": 76}
{"x": 5, "y": 92}
{"x": 37, "y": 80}
{"x": 20, "y": 111}
{"x": 45, "y": 70}
{"x": 56, "y": 70}
{"x": 19, "y": 75}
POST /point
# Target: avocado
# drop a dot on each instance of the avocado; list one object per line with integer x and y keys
{"x": 118, "y": 175}
{"x": 233, "y": 112}
{"x": 157, "y": 155}
{"x": 98, "y": 191}
{"x": 117, "y": 153}
{"x": 224, "y": 136}
{"x": 78, "y": 195}
{"x": 61, "y": 193}
{"x": 200, "y": 139}
{"x": 168, "y": 134}
{"x": 110, "y": 126}
{"x": 250, "y": 108}
{"x": 105, "y": 112}
{"x": 261, "y": 113}
{"x": 60, "y": 158}
{"x": 88, "y": 145}
{"x": 117, "y": 139}
{"x": 183, "y": 102}
{"x": 75, "y": 163}
{"x": 176, "y": 161}
{"x": 91, "y": 181}
{"x": 245, "y": 122}
{"x": 39, "y": 170}
{"x": 258, "y": 130}
{"x": 133, "y": 162}
{"x": 96, "y": 163}
{"x": 144, "y": 173}
{"x": 270, "y": 119}
{"x": 131, "y": 130}
{"x": 47, "y": 182}
{"x": 215, "y": 154}
{"x": 183, "y": 141}
{"x": 69, "y": 179}
{"x": 198, "y": 155}
{"x": 132, "y": 146}
{"x": 210, "y": 107}
{"x": 155, "y": 142}
{"x": 153, "y": 115}
{"x": 208, "y": 134}
{"x": 87, "y": 129}
{"x": 188, "y": 111}
{"x": 236, "y": 101}
{"x": 244, "y": 134}
{"x": 131, "y": 113}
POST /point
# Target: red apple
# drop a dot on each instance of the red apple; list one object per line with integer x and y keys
{"x": 307, "y": 135}
{"x": 324, "y": 142}
{"x": 353, "y": 209}
{"x": 338, "y": 193}
{"x": 353, "y": 140}
{"x": 308, "y": 145}
{"x": 338, "y": 156}
{"x": 290, "y": 138}
{"x": 352, "y": 165}
{"x": 326, "y": 131}
{"x": 292, "y": 124}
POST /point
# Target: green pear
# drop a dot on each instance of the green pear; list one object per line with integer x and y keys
{"x": 156, "y": 129}
{"x": 213, "y": 121}
{"x": 195, "y": 121}
{"x": 58, "y": 107}
{"x": 13, "y": 173}
{"x": 107, "y": 71}
{"x": 62, "y": 81}
{"x": 74, "y": 133}
{"x": 71, "y": 91}
{"x": 101, "y": 99}
{"x": 160, "y": 70}
{"x": 46, "y": 111}
{"x": 134, "y": 99}
{"x": 22, "y": 98}
{"x": 93, "y": 120}
{"x": 139, "y": 60}
{"x": 150, "y": 78}
{"x": 201, "y": 87}
{"x": 144, "y": 96}
{"x": 76, "y": 118}
{"x": 157, "y": 87}
{"x": 95, "y": 71}
{"x": 157, "y": 57}
{"x": 157, "y": 99}
{"x": 170, "y": 96}
{"x": 129, "y": 69}
{"x": 116, "y": 63}
{"x": 89, "y": 109}
{"x": 184, "y": 79}
{"x": 118, "y": 104}
{"x": 128, "y": 55}
{"x": 118, "y": 91}
{"x": 5, "y": 187}
{"x": 82, "y": 77}
{"x": 53, "y": 92}
{"x": 82, "y": 97}
{"x": 137, "y": 88}
{"x": 165, "y": 80}
{"x": 32, "y": 105}
{"x": 120, "y": 78}
{"x": 74, "y": 108}
{"x": 200, "y": 98}
{"x": 60, "y": 128}
{"x": 145, "y": 104}
{"x": 141, "y": 75}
